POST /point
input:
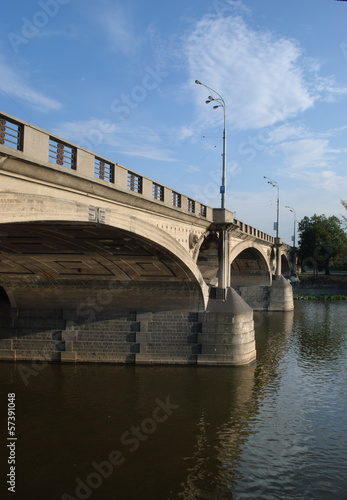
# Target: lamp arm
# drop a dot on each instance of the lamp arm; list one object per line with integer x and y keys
{"x": 212, "y": 90}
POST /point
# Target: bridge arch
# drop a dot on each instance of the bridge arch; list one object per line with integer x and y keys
{"x": 66, "y": 260}
{"x": 249, "y": 266}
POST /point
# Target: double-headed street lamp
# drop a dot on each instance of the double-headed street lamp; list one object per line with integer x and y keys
{"x": 275, "y": 184}
{"x": 277, "y": 240}
{"x": 294, "y": 247}
{"x": 220, "y": 104}
{"x": 224, "y": 252}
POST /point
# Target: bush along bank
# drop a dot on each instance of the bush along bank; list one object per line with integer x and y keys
{"x": 320, "y": 297}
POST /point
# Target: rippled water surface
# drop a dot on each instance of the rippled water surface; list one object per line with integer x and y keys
{"x": 274, "y": 430}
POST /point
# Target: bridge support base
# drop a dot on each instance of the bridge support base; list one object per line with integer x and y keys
{"x": 281, "y": 295}
{"x": 277, "y": 297}
{"x": 228, "y": 335}
{"x": 223, "y": 335}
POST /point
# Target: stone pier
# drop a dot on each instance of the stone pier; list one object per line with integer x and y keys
{"x": 227, "y": 334}
{"x": 277, "y": 297}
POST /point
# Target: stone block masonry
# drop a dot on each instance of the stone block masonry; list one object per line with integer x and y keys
{"x": 127, "y": 337}
{"x": 110, "y": 338}
{"x": 113, "y": 337}
{"x": 168, "y": 338}
{"x": 277, "y": 297}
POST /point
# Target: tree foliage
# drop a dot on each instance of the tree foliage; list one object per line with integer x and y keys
{"x": 322, "y": 242}
{"x": 344, "y": 218}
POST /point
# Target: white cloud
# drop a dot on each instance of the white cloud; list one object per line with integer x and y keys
{"x": 185, "y": 132}
{"x": 313, "y": 162}
{"x": 117, "y": 23}
{"x": 14, "y": 86}
{"x": 88, "y": 133}
{"x": 336, "y": 130}
{"x": 331, "y": 181}
{"x": 321, "y": 180}
{"x": 310, "y": 159}
{"x": 151, "y": 153}
{"x": 69, "y": 32}
{"x": 95, "y": 133}
{"x": 258, "y": 74}
{"x": 307, "y": 153}
{"x": 287, "y": 131}
{"x": 327, "y": 89}
{"x": 228, "y": 6}
{"x": 193, "y": 168}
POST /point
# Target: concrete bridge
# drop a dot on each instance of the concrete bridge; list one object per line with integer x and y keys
{"x": 84, "y": 235}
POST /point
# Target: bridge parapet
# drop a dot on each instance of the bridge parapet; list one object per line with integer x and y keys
{"x": 246, "y": 229}
{"x": 32, "y": 144}
{"x": 26, "y": 142}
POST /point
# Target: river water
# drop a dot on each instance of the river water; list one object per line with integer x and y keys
{"x": 276, "y": 429}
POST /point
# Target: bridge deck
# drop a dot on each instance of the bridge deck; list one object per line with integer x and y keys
{"x": 26, "y": 142}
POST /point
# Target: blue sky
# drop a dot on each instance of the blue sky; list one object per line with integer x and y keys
{"x": 118, "y": 78}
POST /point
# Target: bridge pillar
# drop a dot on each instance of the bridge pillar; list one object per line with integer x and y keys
{"x": 278, "y": 244}
{"x": 228, "y": 336}
{"x": 224, "y": 265}
{"x": 281, "y": 295}
{"x": 223, "y": 220}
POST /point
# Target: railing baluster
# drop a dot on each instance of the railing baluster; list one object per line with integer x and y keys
{"x": 11, "y": 133}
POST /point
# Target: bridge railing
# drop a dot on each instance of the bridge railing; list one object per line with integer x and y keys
{"x": 44, "y": 148}
{"x": 39, "y": 146}
{"x": 252, "y": 231}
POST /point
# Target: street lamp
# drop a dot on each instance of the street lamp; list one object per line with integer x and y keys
{"x": 291, "y": 209}
{"x": 224, "y": 268}
{"x": 220, "y": 104}
{"x": 275, "y": 184}
{"x": 277, "y": 240}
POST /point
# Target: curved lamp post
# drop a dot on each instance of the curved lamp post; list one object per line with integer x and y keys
{"x": 220, "y": 104}
{"x": 278, "y": 243}
{"x": 294, "y": 234}
{"x": 224, "y": 267}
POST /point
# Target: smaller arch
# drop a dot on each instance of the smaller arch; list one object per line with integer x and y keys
{"x": 249, "y": 266}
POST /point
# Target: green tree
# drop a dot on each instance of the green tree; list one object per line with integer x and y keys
{"x": 344, "y": 218}
{"x": 322, "y": 242}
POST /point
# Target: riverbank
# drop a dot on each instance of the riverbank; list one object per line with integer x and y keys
{"x": 331, "y": 287}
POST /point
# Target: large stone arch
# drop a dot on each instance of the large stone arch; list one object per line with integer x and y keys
{"x": 249, "y": 266}
{"x": 53, "y": 255}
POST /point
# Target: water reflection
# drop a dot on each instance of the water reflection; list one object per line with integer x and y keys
{"x": 272, "y": 341}
{"x": 299, "y": 447}
{"x": 246, "y": 432}
{"x": 219, "y": 440}
{"x": 330, "y": 320}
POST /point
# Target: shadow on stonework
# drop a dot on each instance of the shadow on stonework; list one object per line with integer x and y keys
{"x": 5, "y": 305}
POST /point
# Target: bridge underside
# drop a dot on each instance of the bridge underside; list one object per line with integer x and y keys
{"x": 83, "y": 266}
{"x": 249, "y": 268}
